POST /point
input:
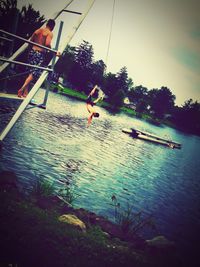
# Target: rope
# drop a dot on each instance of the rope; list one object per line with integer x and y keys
{"x": 111, "y": 25}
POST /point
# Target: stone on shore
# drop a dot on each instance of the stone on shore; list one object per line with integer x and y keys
{"x": 73, "y": 220}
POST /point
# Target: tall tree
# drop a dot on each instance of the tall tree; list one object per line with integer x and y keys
{"x": 22, "y": 23}
{"x": 122, "y": 78}
{"x": 65, "y": 64}
{"x": 161, "y": 101}
{"x": 189, "y": 116}
{"x": 137, "y": 93}
{"x": 82, "y": 68}
{"x": 98, "y": 68}
{"x": 29, "y": 21}
{"x": 8, "y": 8}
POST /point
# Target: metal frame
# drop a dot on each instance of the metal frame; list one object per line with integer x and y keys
{"x": 44, "y": 74}
{"x": 27, "y": 41}
{"x": 24, "y": 64}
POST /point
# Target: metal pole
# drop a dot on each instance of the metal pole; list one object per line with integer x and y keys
{"x": 53, "y": 62}
{"x": 28, "y": 41}
{"x": 24, "y": 64}
{"x": 23, "y": 105}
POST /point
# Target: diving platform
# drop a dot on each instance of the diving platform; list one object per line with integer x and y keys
{"x": 151, "y": 138}
{"x": 11, "y": 96}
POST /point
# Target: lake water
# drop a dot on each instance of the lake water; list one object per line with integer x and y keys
{"x": 101, "y": 160}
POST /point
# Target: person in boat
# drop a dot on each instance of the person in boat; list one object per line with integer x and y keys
{"x": 36, "y": 56}
{"x": 90, "y": 104}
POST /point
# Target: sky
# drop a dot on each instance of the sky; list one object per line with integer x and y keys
{"x": 157, "y": 40}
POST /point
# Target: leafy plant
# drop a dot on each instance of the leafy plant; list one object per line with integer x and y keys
{"x": 68, "y": 194}
{"x": 129, "y": 221}
{"x": 43, "y": 188}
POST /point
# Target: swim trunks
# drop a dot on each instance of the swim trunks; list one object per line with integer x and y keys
{"x": 36, "y": 58}
{"x": 89, "y": 100}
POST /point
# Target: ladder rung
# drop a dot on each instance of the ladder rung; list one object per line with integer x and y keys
{"x": 74, "y": 12}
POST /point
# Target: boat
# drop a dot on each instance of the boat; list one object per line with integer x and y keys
{"x": 151, "y": 138}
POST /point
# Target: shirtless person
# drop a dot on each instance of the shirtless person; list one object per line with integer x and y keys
{"x": 90, "y": 103}
{"x": 42, "y": 36}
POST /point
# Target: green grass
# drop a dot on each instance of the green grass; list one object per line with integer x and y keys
{"x": 31, "y": 236}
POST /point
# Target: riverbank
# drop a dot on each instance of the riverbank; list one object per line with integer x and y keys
{"x": 35, "y": 232}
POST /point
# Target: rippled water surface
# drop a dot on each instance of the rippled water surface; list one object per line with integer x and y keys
{"x": 101, "y": 160}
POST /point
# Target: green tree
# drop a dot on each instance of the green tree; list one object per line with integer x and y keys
{"x": 137, "y": 93}
{"x": 22, "y": 23}
{"x": 8, "y": 9}
{"x": 123, "y": 81}
{"x": 98, "y": 68}
{"x": 139, "y": 96}
{"x": 187, "y": 117}
{"x": 65, "y": 64}
{"x": 110, "y": 84}
{"x": 29, "y": 21}
{"x": 161, "y": 101}
{"x": 82, "y": 69}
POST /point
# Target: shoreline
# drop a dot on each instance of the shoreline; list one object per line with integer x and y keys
{"x": 107, "y": 238}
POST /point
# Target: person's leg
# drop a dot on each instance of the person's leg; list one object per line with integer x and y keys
{"x": 24, "y": 89}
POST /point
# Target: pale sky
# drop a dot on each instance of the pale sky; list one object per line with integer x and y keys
{"x": 157, "y": 40}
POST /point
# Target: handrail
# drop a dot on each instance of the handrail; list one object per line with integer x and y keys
{"x": 6, "y": 39}
{"x": 24, "y": 64}
{"x": 28, "y": 41}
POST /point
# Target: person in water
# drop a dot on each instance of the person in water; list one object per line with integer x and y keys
{"x": 36, "y": 56}
{"x": 90, "y": 105}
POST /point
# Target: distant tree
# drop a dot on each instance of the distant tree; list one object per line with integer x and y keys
{"x": 22, "y": 23}
{"x": 110, "y": 84}
{"x": 137, "y": 93}
{"x": 29, "y": 21}
{"x": 115, "y": 87}
{"x": 130, "y": 84}
{"x": 8, "y": 9}
{"x": 82, "y": 68}
{"x": 188, "y": 116}
{"x": 117, "y": 100}
{"x": 65, "y": 64}
{"x": 123, "y": 81}
{"x": 161, "y": 101}
{"x": 84, "y": 55}
{"x": 98, "y": 68}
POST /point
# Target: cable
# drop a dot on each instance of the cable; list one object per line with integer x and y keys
{"x": 111, "y": 25}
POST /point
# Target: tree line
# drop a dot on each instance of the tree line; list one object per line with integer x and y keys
{"x": 80, "y": 71}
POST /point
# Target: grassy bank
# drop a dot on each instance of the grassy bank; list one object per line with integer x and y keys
{"x": 32, "y": 235}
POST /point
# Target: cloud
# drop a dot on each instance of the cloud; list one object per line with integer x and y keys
{"x": 189, "y": 58}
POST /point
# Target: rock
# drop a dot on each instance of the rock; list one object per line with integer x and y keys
{"x": 73, "y": 220}
{"x": 160, "y": 243}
